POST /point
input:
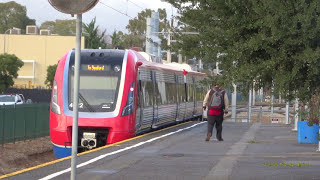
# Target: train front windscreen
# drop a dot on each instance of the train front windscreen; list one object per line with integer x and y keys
{"x": 100, "y": 76}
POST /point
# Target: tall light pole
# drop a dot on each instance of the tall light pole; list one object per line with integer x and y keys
{"x": 4, "y": 40}
{"x": 77, "y": 7}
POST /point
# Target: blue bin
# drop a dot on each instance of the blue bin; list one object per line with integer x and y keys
{"x": 307, "y": 134}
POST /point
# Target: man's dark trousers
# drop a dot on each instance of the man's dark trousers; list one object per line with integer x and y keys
{"x": 215, "y": 120}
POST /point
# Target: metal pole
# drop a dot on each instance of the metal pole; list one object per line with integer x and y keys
{"x": 217, "y": 68}
{"x": 250, "y": 104}
{"x": 148, "y": 37}
{"x": 179, "y": 58}
{"x": 261, "y": 94}
{"x": 155, "y": 24}
{"x": 76, "y": 99}
{"x": 296, "y": 116}
{"x": 234, "y": 103}
{"x": 253, "y": 94}
{"x": 279, "y": 98}
{"x": 272, "y": 99}
{"x": 169, "y": 43}
{"x": 159, "y": 53}
{"x": 4, "y": 40}
{"x": 287, "y": 112}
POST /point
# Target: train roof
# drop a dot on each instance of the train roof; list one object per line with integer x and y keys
{"x": 165, "y": 67}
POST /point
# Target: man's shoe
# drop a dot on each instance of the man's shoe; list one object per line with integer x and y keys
{"x": 220, "y": 139}
{"x": 208, "y": 137}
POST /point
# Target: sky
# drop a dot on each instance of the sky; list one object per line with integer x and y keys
{"x": 115, "y": 18}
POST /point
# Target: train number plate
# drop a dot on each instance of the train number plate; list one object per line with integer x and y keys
{"x": 89, "y": 135}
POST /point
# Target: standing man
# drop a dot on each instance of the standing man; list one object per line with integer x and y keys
{"x": 217, "y": 102}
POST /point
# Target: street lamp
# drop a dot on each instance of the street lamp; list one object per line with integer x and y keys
{"x": 4, "y": 38}
{"x": 77, "y": 7}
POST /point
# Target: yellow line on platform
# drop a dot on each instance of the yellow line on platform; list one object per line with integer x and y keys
{"x": 87, "y": 152}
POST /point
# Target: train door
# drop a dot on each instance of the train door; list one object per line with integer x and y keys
{"x": 146, "y": 98}
{"x": 194, "y": 97}
{"x": 190, "y": 105}
{"x": 139, "y": 113}
{"x": 181, "y": 98}
{"x": 189, "y": 98}
{"x": 164, "y": 93}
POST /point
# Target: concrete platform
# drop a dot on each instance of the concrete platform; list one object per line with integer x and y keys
{"x": 249, "y": 151}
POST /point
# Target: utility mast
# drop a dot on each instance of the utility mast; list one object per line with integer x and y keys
{"x": 153, "y": 41}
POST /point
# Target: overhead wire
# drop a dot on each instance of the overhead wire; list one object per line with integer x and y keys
{"x": 136, "y": 4}
{"x": 115, "y": 10}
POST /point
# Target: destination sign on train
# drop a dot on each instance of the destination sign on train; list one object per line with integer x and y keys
{"x": 95, "y": 67}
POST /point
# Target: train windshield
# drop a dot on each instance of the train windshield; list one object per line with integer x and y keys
{"x": 99, "y": 82}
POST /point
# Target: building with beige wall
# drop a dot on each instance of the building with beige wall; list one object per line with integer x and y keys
{"x": 37, "y": 52}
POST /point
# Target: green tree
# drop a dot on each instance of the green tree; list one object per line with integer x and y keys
{"x": 50, "y": 25}
{"x": 92, "y": 38}
{"x": 12, "y": 15}
{"x": 51, "y": 71}
{"x": 9, "y": 66}
{"x": 272, "y": 42}
{"x": 117, "y": 39}
{"x": 60, "y": 27}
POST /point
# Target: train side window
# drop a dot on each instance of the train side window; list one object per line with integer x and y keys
{"x": 182, "y": 93}
{"x": 171, "y": 93}
{"x": 198, "y": 92}
{"x": 190, "y": 92}
{"x": 161, "y": 93}
{"x": 147, "y": 93}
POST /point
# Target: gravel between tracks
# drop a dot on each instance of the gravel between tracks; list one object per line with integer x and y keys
{"x": 25, "y": 154}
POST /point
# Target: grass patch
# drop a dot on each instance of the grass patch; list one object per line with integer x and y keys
{"x": 252, "y": 141}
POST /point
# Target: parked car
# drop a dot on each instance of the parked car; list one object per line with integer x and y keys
{"x": 22, "y": 97}
{"x": 10, "y": 99}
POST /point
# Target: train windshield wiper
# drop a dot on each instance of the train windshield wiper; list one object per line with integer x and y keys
{"x": 85, "y": 102}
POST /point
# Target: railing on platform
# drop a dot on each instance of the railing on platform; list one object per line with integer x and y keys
{"x": 23, "y": 122}
{"x": 263, "y": 114}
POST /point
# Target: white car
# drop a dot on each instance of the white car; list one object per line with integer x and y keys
{"x": 11, "y": 99}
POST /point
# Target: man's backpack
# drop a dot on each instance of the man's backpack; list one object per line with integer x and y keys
{"x": 216, "y": 103}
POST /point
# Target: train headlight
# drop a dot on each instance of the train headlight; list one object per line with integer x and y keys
{"x": 54, "y": 102}
{"x": 129, "y": 108}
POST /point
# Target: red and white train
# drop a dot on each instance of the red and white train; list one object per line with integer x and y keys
{"x": 121, "y": 94}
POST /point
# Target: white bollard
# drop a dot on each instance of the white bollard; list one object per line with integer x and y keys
{"x": 296, "y": 117}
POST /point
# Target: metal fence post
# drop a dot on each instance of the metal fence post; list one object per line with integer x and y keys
{"x": 271, "y": 115}
{"x": 287, "y": 112}
{"x": 3, "y": 123}
{"x": 250, "y": 106}
{"x": 14, "y": 124}
{"x": 234, "y": 103}
{"x": 35, "y": 122}
{"x": 25, "y": 126}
